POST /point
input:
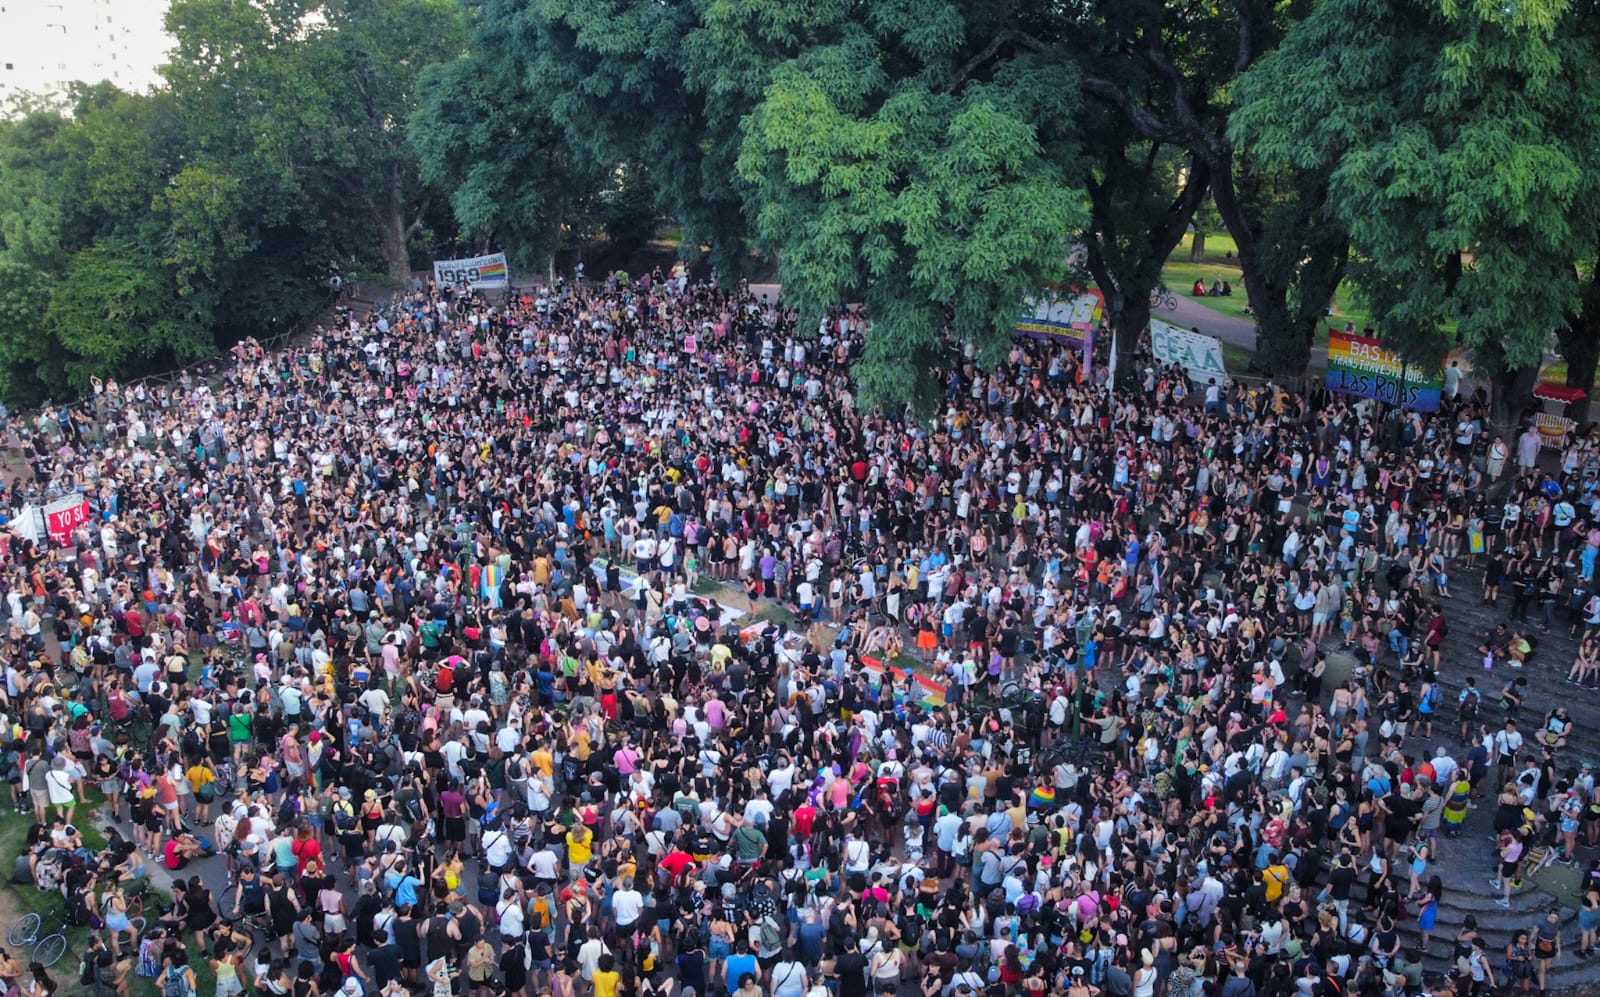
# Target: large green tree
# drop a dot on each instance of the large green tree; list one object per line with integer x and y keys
{"x": 1453, "y": 157}
{"x": 138, "y": 231}
{"x": 301, "y": 106}
{"x": 87, "y": 239}
{"x": 620, "y": 79}
{"x": 1169, "y": 71}
{"x": 901, "y": 164}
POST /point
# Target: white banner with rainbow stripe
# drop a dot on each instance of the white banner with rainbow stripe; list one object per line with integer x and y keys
{"x": 477, "y": 271}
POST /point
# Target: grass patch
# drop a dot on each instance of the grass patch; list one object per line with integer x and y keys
{"x": 1221, "y": 262}
{"x": 772, "y": 612}
{"x": 49, "y": 906}
{"x": 1235, "y": 358}
{"x": 1179, "y": 275}
{"x": 1554, "y": 372}
{"x": 705, "y": 585}
{"x": 13, "y": 835}
{"x": 1220, "y": 248}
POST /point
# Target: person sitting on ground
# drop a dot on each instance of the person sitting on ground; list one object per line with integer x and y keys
{"x": 1199, "y": 289}
{"x": 1557, "y": 728}
{"x": 1519, "y": 647}
{"x": 181, "y": 849}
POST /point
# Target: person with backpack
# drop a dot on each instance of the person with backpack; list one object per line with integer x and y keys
{"x": 177, "y": 976}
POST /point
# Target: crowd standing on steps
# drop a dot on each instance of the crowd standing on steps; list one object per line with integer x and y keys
{"x": 405, "y": 626}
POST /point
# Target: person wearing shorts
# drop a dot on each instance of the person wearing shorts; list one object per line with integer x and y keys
{"x": 36, "y": 775}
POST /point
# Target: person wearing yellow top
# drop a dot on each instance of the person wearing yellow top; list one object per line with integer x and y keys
{"x": 580, "y": 847}
{"x": 720, "y": 653}
{"x": 581, "y": 743}
{"x": 202, "y": 782}
{"x": 544, "y": 760}
{"x": 606, "y": 977}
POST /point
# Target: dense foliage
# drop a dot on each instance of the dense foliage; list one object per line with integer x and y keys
{"x": 935, "y": 159}
{"x": 137, "y": 230}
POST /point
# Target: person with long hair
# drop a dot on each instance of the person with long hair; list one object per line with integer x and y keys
{"x": 1426, "y": 904}
{"x": 37, "y": 982}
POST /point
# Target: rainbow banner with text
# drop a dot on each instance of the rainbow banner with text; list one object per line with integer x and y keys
{"x": 1359, "y": 365}
{"x": 1069, "y": 316}
{"x": 476, "y": 271}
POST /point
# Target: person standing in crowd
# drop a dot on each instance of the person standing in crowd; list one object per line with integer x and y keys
{"x": 423, "y": 587}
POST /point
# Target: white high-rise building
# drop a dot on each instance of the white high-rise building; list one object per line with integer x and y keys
{"x": 45, "y": 45}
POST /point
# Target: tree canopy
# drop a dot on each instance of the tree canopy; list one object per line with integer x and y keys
{"x": 937, "y": 160}
{"x": 1453, "y": 158}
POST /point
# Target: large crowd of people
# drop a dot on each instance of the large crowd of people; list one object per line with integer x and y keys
{"x": 408, "y": 628}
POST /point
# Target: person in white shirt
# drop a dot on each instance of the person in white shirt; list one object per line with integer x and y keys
{"x": 512, "y": 924}
{"x": 627, "y": 904}
{"x": 544, "y": 865}
{"x": 497, "y": 848}
{"x": 589, "y": 954}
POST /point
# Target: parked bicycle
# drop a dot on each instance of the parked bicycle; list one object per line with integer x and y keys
{"x": 1163, "y": 299}
{"x": 242, "y": 931}
{"x": 47, "y": 948}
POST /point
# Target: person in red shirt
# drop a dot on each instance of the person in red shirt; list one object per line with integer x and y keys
{"x": 805, "y": 815}
{"x": 306, "y": 848}
{"x": 180, "y": 850}
{"x": 678, "y": 863}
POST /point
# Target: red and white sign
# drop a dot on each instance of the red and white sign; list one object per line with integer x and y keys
{"x": 65, "y": 515}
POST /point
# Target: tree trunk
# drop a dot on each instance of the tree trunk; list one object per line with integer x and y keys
{"x": 394, "y": 233}
{"x": 1125, "y": 259}
{"x": 1580, "y": 346}
{"x": 1197, "y": 246}
{"x": 1134, "y": 319}
{"x": 392, "y": 247}
{"x": 1512, "y": 394}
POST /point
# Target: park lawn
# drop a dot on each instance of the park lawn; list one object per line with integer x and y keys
{"x": 1179, "y": 277}
{"x": 1235, "y": 358}
{"x": 13, "y": 834}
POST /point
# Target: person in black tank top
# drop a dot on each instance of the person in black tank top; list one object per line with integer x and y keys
{"x": 410, "y": 944}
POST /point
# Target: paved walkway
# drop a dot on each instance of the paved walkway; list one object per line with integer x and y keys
{"x": 1190, "y": 313}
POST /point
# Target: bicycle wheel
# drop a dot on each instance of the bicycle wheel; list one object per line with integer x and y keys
{"x": 25, "y": 930}
{"x": 138, "y": 926}
{"x": 50, "y": 949}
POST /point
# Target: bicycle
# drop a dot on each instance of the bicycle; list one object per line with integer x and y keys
{"x": 47, "y": 949}
{"x": 242, "y": 931}
{"x": 1162, "y": 298}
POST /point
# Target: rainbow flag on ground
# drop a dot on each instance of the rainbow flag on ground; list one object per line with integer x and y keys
{"x": 933, "y": 693}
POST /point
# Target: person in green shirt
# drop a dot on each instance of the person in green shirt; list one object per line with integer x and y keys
{"x": 749, "y": 844}
{"x": 241, "y": 728}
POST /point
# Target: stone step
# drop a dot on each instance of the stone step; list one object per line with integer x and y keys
{"x": 1493, "y": 919}
{"x": 1567, "y": 971}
